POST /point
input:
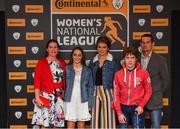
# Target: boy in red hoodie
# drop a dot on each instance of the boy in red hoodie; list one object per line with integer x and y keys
{"x": 132, "y": 90}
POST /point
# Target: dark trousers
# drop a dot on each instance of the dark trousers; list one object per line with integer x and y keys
{"x": 137, "y": 121}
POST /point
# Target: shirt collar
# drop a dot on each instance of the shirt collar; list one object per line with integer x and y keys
{"x": 108, "y": 57}
{"x": 142, "y": 55}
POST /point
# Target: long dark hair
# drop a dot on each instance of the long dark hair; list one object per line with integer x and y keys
{"x": 47, "y": 45}
{"x": 83, "y": 56}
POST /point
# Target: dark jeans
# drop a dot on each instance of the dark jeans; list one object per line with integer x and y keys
{"x": 131, "y": 117}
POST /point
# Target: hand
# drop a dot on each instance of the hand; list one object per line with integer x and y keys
{"x": 122, "y": 119}
{"x": 39, "y": 103}
{"x": 139, "y": 110}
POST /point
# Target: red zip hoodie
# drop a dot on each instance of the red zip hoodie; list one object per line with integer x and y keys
{"x": 131, "y": 88}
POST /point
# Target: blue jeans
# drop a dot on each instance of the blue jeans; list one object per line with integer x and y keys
{"x": 131, "y": 117}
{"x": 156, "y": 117}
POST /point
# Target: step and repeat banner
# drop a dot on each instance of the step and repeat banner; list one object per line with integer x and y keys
{"x": 31, "y": 23}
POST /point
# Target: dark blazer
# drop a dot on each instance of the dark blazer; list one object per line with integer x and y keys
{"x": 158, "y": 70}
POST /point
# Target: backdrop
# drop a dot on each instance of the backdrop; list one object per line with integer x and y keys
{"x": 31, "y": 23}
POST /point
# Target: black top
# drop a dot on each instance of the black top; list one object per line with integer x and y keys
{"x": 99, "y": 76}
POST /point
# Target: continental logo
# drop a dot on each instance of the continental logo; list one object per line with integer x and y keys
{"x": 18, "y": 102}
{"x": 164, "y": 126}
{"x": 142, "y": 9}
{"x": 18, "y": 126}
{"x": 29, "y": 114}
{"x": 165, "y": 101}
{"x": 17, "y": 75}
{"x": 30, "y": 88}
{"x": 60, "y": 4}
{"x": 159, "y": 22}
{"x": 31, "y": 63}
{"x": 16, "y": 22}
{"x": 160, "y": 49}
{"x": 137, "y": 35}
{"x": 34, "y": 8}
{"x": 34, "y": 36}
{"x": 16, "y": 50}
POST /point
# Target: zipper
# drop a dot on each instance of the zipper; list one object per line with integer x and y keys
{"x": 129, "y": 88}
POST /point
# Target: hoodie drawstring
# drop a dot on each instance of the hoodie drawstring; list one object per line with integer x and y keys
{"x": 135, "y": 78}
{"x": 125, "y": 75}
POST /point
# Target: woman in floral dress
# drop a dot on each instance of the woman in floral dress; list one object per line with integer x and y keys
{"x": 49, "y": 89}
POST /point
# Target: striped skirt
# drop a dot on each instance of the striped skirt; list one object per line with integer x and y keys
{"x": 103, "y": 116}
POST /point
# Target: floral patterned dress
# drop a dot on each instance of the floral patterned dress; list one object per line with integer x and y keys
{"x": 52, "y": 116}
